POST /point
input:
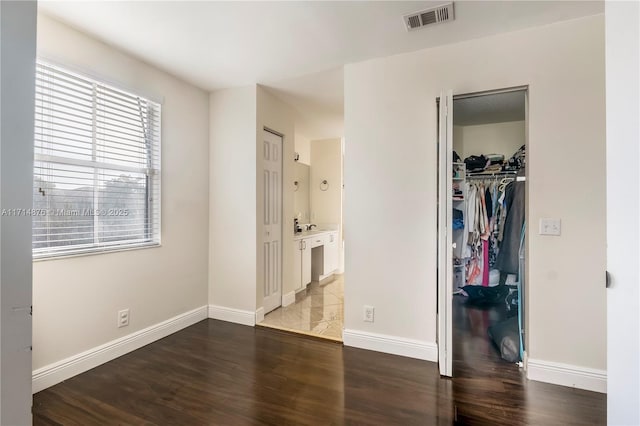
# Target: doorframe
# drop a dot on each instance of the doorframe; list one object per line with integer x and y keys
{"x": 444, "y": 235}
{"x": 281, "y": 211}
{"x": 445, "y": 300}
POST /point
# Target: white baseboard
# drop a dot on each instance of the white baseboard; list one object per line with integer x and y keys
{"x": 567, "y": 375}
{"x": 237, "y": 316}
{"x": 57, "y": 372}
{"x": 289, "y": 298}
{"x": 427, "y": 351}
{"x": 259, "y": 315}
{"x": 322, "y": 278}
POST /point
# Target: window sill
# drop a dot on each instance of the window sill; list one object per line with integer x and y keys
{"x": 105, "y": 250}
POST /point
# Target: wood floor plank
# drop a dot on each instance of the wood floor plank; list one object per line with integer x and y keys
{"x": 217, "y": 373}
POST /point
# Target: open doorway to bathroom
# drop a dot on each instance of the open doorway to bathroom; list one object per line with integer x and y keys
{"x": 313, "y": 243}
{"x": 314, "y": 302}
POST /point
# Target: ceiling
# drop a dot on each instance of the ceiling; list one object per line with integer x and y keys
{"x": 297, "y": 48}
{"x": 491, "y": 108}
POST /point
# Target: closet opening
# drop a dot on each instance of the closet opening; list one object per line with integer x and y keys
{"x": 482, "y": 227}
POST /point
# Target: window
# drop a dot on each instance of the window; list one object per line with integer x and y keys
{"x": 96, "y": 166}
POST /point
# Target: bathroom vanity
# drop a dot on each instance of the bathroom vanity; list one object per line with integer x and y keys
{"x": 316, "y": 256}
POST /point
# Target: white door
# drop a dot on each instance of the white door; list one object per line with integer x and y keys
{"x": 623, "y": 210}
{"x": 272, "y": 220}
{"x": 445, "y": 241}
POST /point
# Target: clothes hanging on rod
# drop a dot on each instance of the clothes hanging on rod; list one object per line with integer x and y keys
{"x": 486, "y": 215}
{"x": 508, "y": 260}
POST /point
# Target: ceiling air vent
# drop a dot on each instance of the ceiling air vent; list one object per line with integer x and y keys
{"x": 434, "y": 15}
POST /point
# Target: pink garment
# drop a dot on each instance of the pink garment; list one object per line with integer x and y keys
{"x": 474, "y": 271}
{"x": 485, "y": 263}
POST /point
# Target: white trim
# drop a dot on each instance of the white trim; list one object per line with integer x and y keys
{"x": 237, "y": 316}
{"x": 567, "y": 375}
{"x": 288, "y": 298}
{"x": 56, "y": 372}
{"x": 259, "y": 315}
{"x": 41, "y": 257}
{"x": 325, "y": 276}
{"x": 427, "y": 351}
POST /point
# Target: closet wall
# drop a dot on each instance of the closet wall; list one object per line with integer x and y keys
{"x": 495, "y": 138}
{"x": 391, "y": 187}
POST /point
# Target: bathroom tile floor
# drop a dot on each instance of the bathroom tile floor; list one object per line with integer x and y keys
{"x": 318, "y": 311}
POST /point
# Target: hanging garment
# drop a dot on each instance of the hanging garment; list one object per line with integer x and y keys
{"x": 473, "y": 271}
{"x": 485, "y": 263}
{"x": 464, "y": 251}
{"x": 484, "y": 224}
{"x": 493, "y": 250}
{"x": 471, "y": 212}
{"x": 507, "y": 260}
{"x": 488, "y": 202}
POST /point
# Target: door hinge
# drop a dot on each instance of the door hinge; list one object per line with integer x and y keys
{"x": 607, "y": 279}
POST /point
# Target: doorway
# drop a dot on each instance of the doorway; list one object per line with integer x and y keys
{"x": 482, "y": 204}
{"x": 313, "y": 296}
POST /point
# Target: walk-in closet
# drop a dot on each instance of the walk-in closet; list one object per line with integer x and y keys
{"x": 488, "y": 191}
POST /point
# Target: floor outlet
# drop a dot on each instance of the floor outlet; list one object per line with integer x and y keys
{"x": 123, "y": 318}
{"x": 369, "y": 312}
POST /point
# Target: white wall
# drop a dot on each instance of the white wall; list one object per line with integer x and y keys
{"x": 17, "y": 55}
{"x": 390, "y": 183}
{"x": 326, "y": 157}
{"x": 75, "y": 300}
{"x": 232, "y": 217}
{"x": 303, "y": 147}
{"x": 623, "y": 212}
{"x": 494, "y": 138}
{"x": 237, "y": 119}
{"x": 275, "y": 115}
{"x": 326, "y": 206}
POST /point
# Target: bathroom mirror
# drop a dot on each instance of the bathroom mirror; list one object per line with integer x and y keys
{"x": 301, "y": 198}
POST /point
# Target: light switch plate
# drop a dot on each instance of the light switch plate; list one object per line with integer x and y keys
{"x": 549, "y": 226}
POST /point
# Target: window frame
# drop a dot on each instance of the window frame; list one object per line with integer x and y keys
{"x": 153, "y": 174}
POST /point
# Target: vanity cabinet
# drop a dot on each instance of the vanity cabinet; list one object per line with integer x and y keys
{"x": 324, "y": 258}
{"x": 315, "y": 257}
{"x": 331, "y": 253}
{"x": 302, "y": 263}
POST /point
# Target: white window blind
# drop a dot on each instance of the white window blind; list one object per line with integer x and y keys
{"x": 96, "y": 166}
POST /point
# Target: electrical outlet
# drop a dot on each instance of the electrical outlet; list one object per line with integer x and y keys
{"x": 369, "y": 312}
{"x": 123, "y": 318}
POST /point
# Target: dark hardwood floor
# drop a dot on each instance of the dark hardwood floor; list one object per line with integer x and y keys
{"x": 490, "y": 390}
{"x": 217, "y": 373}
